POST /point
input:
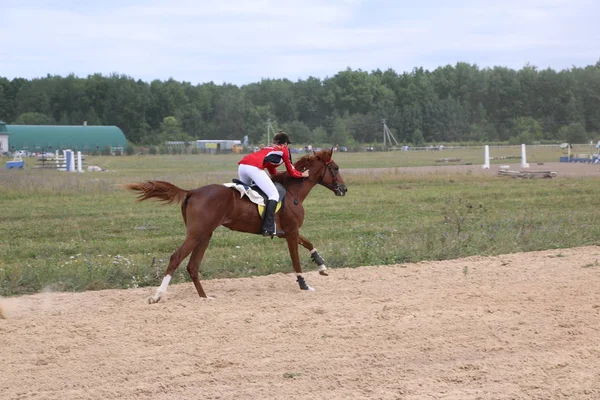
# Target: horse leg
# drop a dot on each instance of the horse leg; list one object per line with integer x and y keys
{"x": 292, "y": 241}
{"x": 194, "y": 265}
{"x": 314, "y": 254}
{"x": 176, "y": 258}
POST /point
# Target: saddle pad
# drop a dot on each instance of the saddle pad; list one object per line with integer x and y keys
{"x": 261, "y": 209}
{"x": 254, "y": 197}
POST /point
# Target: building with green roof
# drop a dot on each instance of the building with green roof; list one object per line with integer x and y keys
{"x": 84, "y": 138}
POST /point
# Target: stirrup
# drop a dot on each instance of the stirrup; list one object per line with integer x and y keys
{"x": 266, "y": 232}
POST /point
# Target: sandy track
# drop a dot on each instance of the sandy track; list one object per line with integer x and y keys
{"x": 520, "y": 326}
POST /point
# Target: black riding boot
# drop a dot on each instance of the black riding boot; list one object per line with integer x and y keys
{"x": 268, "y": 227}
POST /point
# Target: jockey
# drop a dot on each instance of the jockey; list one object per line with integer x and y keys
{"x": 252, "y": 168}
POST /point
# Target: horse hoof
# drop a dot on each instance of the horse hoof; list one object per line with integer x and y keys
{"x": 152, "y": 300}
{"x": 324, "y": 273}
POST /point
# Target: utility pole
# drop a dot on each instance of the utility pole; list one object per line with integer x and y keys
{"x": 388, "y": 136}
{"x": 269, "y": 130}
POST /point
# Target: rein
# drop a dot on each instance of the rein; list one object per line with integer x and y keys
{"x": 334, "y": 185}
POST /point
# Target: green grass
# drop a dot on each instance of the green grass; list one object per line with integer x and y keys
{"x": 72, "y": 232}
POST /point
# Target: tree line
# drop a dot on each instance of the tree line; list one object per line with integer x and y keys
{"x": 451, "y": 104}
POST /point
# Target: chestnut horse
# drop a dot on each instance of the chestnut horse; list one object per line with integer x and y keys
{"x": 208, "y": 207}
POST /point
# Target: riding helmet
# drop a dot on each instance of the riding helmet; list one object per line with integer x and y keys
{"x": 281, "y": 137}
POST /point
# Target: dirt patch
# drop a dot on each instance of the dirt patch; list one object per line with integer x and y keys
{"x": 507, "y": 327}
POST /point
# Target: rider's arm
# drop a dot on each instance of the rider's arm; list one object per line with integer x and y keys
{"x": 288, "y": 165}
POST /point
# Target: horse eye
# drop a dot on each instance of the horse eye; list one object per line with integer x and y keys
{"x": 336, "y": 169}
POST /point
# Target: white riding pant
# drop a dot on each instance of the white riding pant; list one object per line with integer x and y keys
{"x": 249, "y": 173}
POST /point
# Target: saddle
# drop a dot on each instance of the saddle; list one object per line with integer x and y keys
{"x": 256, "y": 195}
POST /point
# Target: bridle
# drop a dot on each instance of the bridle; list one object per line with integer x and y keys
{"x": 334, "y": 185}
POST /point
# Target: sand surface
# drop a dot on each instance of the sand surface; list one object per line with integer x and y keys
{"x": 518, "y": 326}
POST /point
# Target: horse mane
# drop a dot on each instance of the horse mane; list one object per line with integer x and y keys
{"x": 308, "y": 159}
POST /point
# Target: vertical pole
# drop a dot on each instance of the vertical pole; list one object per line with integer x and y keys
{"x": 69, "y": 162}
{"x": 486, "y": 157}
{"x": 523, "y": 157}
{"x": 79, "y": 166}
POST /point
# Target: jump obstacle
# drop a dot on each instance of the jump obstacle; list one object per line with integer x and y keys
{"x": 16, "y": 163}
{"x": 580, "y": 158}
{"x": 486, "y": 157}
{"x": 69, "y": 161}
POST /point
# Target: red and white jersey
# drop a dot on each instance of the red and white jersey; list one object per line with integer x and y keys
{"x": 271, "y": 157}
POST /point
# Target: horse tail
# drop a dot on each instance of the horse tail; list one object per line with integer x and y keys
{"x": 160, "y": 190}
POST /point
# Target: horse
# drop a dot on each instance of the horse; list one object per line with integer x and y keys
{"x": 206, "y": 208}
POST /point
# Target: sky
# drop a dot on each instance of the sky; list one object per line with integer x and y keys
{"x": 244, "y": 41}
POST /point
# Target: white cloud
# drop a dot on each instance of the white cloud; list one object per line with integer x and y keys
{"x": 242, "y": 41}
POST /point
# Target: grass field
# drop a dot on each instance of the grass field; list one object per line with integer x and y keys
{"x": 72, "y": 232}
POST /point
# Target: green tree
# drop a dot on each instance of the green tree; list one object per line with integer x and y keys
{"x": 527, "y": 131}
{"x": 309, "y": 100}
{"x": 340, "y": 135}
{"x": 170, "y": 130}
{"x": 256, "y": 127}
{"x": 417, "y": 138}
{"x": 364, "y": 128}
{"x": 34, "y": 118}
{"x": 450, "y": 103}
{"x": 319, "y": 136}
{"x": 6, "y": 102}
{"x": 230, "y": 119}
{"x": 299, "y": 132}
{"x": 573, "y": 133}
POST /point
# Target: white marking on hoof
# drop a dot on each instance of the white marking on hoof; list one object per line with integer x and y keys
{"x": 161, "y": 290}
{"x": 311, "y": 289}
{"x": 323, "y": 270}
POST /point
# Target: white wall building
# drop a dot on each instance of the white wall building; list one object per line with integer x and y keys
{"x": 3, "y": 138}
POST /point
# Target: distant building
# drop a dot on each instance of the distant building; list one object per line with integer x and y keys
{"x": 3, "y": 138}
{"x": 219, "y": 145}
{"x": 208, "y": 146}
{"x": 84, "y": 138}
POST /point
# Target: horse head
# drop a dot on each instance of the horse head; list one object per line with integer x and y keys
{"x": 324, "y": 171}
